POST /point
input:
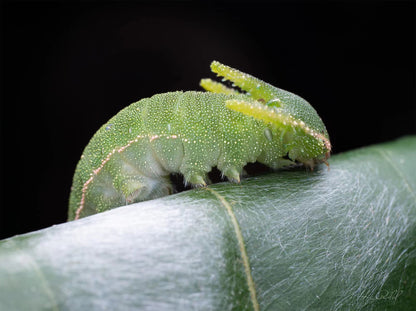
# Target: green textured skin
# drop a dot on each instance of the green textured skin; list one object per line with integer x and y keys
{"x": 130, "y": 157}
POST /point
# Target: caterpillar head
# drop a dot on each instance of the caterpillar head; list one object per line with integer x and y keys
{"x": 303, "y": 134}
{"x": 308, "y": 145}
{"x": 305, "y": 137}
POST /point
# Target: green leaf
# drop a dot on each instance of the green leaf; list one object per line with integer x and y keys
{"x": 343, "y": 239}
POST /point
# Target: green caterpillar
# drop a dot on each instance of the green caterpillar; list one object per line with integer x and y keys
{"x": 130, "y": 158}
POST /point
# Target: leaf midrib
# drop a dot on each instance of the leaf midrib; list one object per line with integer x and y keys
{"x": 241, "y": 244}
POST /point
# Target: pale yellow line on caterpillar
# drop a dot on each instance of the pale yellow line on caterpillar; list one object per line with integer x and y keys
{"x": 98, "y": 169}
{"x": 268, "y": 114}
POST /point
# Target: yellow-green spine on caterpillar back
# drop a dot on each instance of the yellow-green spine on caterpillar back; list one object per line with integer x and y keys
{"x": 130, "y": 157}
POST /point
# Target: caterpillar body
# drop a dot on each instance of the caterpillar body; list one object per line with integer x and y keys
{"x": 130, "y": 157}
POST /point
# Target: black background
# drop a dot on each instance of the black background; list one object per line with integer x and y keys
{"x": 68, "y": 67}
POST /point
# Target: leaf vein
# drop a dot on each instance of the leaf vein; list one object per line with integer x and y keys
{"x": 243, "y": 251}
